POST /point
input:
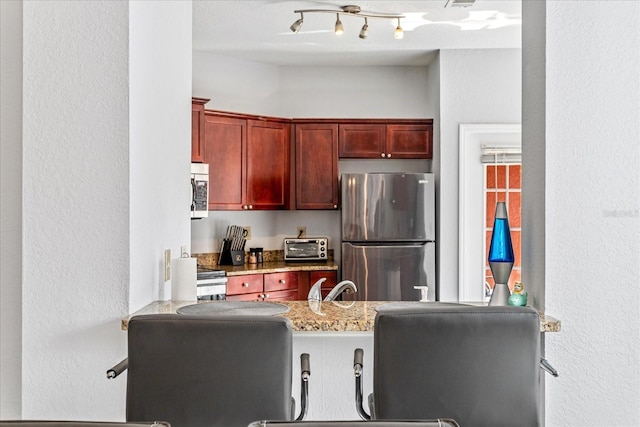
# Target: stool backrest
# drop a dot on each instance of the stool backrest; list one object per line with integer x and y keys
{"x": 478, "y": 365}
{"x": 197, "y": 371}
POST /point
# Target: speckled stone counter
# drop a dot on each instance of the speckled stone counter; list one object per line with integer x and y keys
{"x": 275, "y": 267}
{"x": 336, "y": 316}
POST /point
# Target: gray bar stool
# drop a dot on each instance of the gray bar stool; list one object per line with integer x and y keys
{"x": 208, "y": 371}
{"x": 478, "y": 365}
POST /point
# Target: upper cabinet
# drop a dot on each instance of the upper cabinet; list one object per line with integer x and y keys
{"x": 248, "y": 162}
{"x": 268, "y": 160}
{"x": 225, "y": 152}
{"x": 391, "y": 140}
{"x": 362, "y": 141}
{"x": 410, "y": 141}
{"x": 316, "y": 166}
{"x": 197, "y": 129}
{"x": 258, "y": 163}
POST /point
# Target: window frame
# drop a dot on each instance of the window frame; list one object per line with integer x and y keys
{"x": 471, "y": 228}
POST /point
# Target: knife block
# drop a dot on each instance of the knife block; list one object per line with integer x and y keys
{"x": 229, "y": 257}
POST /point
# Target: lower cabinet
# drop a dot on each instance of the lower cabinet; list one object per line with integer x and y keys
{"x": 263, "y": 287}
{"x": 288, "y": 286}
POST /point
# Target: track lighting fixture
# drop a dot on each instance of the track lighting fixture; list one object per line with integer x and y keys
{"x": 350, "y": 10}
{"x": 295, "y": 27}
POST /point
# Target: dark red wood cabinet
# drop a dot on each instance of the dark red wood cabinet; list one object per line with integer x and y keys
{"x": 362, "y": 141}
{"x": 264, "y": 287}
{"x": 248, "y": 163}
{"x": 225, "y": 152}
{"x": 409, "y": 141}
{"x": 316, "y": 166}
{"x": 271, "y": 163}
{"x": 386, "y": 141}
{"x": 197, "y": 129}
{"x": 268, "y": 160}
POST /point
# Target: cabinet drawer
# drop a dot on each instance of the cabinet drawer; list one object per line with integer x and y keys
{"x": 291, "y": 295}
{"x": 250, "y": 283}
{"x": 280, "y": 281}
{"x": 246, "y": 297}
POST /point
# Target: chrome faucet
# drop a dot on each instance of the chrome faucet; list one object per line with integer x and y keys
{"x": 314, "y": 292}
{"x": 316, "y": 295}
{"x": 344, "y": 286}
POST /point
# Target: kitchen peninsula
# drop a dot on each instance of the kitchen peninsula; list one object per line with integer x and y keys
{"x": 329, "y": 334}
{"x": 333, "y": 316}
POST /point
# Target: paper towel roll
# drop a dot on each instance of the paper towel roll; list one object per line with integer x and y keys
{"x": 183, "y": 279}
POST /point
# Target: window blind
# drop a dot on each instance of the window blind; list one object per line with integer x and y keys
{"x": 501, "y": 154}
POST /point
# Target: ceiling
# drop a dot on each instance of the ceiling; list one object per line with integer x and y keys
{"x": 259, "y": 31}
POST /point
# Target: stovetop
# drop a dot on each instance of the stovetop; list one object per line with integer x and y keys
{"x": 209, "y": 273}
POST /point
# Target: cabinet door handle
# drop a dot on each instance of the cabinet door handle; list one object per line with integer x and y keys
{"x": 335, "y": 206}
{"x": 250, "y": 206}
{"x": 245, "y": 285}
{"x": 283, "y": 281}
{"x": 382, "y": 155}
{"x": 266, "y": 296}
{"x": 245, "y": 207}
{"x": 389, "y": 156}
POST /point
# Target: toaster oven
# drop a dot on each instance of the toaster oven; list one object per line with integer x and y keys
{"x": 311, "y": 249}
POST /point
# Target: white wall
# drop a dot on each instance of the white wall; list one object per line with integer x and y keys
{"x": 93, "y": 143}
{"x": 355, "y": 92}
{"x": 476, "y": 86}
{"x": 236, "y": 85}
{"x": 10, "y": 208}
{"x": 76, "y": 204}
{"x": 160, "y": 171}
{"x": 592, "y": 236}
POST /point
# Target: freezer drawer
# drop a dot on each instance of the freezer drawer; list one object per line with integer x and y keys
{"x": 389, "y": 272}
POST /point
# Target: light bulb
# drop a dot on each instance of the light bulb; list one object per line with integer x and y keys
{"x": 339, "y": 28}
{"x": 399, "y": 33}
{"x": 295, "y": 27}
{"x": 364, "y": 32}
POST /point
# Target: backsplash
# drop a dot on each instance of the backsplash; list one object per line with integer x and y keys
{"x": 211, "y": 259}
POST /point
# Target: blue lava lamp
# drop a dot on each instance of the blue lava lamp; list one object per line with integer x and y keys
{"x": 501, "y": 256}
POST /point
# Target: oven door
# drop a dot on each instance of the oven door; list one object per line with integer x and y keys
{"x": 212, "y": 289}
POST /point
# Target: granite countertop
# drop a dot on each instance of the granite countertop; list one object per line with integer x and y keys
{"x": 274, "y": 267}
{"x": 336, "y": 316}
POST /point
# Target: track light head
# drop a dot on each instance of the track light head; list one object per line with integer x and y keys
{"x": 339, "y": 28}
{"x": 364, "y": 32}
{"x": 399, "y": 32}
{"x": 295, "y": 27}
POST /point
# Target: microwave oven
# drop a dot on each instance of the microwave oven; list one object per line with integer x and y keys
{"x": 311, "y": 249}
{"x": 199, "y": 190}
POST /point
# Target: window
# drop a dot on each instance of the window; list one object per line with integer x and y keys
{"x": 503, "y": 184}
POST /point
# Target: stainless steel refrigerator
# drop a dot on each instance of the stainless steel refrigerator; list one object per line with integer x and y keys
{"x": 388, "y": 235}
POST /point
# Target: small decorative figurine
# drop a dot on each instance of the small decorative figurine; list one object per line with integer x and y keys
{"x": 518, "y": 296}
